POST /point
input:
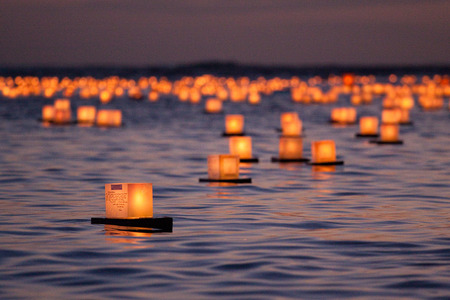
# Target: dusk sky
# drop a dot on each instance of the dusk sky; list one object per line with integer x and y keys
{"x": 283, "y": 32}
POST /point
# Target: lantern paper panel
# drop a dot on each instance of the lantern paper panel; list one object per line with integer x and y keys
{"x": 213, "y": 105}
{"x": 129, "y": 200}
{"x": 241, "y": 146}
{"x": 368, "y": 125}
{"x": 290, "y": 148}
{"x": 223, "y": 166}
{"x": 323, "y": 151}
{"x": 234, "y": 124}
{"x": 389, "y": 132}
{"x": 86, "y": 114}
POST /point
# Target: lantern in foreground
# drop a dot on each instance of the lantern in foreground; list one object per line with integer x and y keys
{"x": 213, "y": 106}
{"x": 86, "y": 114}
{"x": 368, "y": 126}
{"x": 48, "y": 112}
{"x": 290, "y": 149}
{"x": 234, "y": 125}
{"x": 129, "y": 200}
{"x": 223, "y": 166}
{"x": 324, "y": 152}
{"x": 241, "y": 146}
{"x": 109, "y": 117}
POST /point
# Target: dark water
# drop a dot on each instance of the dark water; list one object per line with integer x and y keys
{"x": 377, "y": 227}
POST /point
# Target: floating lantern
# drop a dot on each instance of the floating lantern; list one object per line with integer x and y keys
{"x": 404, "y": 117}
{"x": 48, "y": 113}
{"x": 290, "y": 149}
{"x": 343, "y": 115}
{"x": 62, "y": 104}
{"x": 292, "y": 128}
{"x": 213, "y": 106}
{"x": 224, "y": 168}
{"x": 324, "y": 153}
{"x": 62, "y": 116}
{"x": 109, "y": 117}
{"x": 131, "y": 205}
{"x": 288, "y": 117}
{"x": 389, "y": 134}
{"x": 242, "y": 146}
{"x": 129, "y": 200}
{"x": 390, "y": 116}
{"x": 368, "y": 127}
{"x": 86, "y": 114}
{"x": 234, "y": 125}
{"x": 105, "y": 96}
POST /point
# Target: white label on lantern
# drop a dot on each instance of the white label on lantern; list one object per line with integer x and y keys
{"x": 116, "y": 196}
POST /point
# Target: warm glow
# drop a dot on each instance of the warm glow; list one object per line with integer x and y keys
{"x": 288, "y": 117}
{"x": 368, "y": 125}
{"x": 111, "y": 117}
{"x": 323, "y": 151}
{"x": 234, "y": 124}
{"x": 223, "y": 166}
{"x": 48, "y": 112}
{"x": 390, "y": 116}
{"x": 389, "y": 132}
{"x": 62, "y": 104}
{"x": 129, "y": 200}
{"x": 213, "y": 105}
{"x": 292, "y": 128}
{"x": 86, "y": 114}
{"x": 242, "y": 146}
{"x": 62, "y": 116}
{"x": 343, "y": 115}
{"x": 290, "y": 148}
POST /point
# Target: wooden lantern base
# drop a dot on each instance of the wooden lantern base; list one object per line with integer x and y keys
{"x": 238, "y": 180}
{"x": 163, "y": 224}
{"x": 360, "y": 135}
{"x": 249, "y": 160}
{"x": 329, "y": 163}
{"x": 287, "y": 160}
{"x": 380, "y": 142}
{"x": 233, "y": 134}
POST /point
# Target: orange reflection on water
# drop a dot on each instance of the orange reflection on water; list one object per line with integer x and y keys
{"x": 128, "y": 235}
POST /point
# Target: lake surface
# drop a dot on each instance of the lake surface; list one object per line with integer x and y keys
{"x": 377, "y": 227}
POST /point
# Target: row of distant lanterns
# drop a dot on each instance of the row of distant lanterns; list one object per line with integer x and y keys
{"x": 396, "y": 104}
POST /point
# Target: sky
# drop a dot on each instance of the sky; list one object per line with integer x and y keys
{"x": 171, "y": 32}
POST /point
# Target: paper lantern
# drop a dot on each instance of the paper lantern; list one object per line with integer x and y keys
{"x": 323, "y": 151}
{"x": 48, "y": 112}
{"x": 389, "y": 132}
{"x": 343, "y": 115}
{"x": 105, "y": 96}
{"x": 390, "y": 116}
{"x": 86, "y": 114}
{"x": 62, "y": 104}
{"x": 288, "y": 117}
{"x": 109, "y": 118}
{"x": 234, "y": 124}
{"x": 129, "y": 200}
{"x": 290, "y": 148}
{"x": 404, "y": 116}
{"x": 241, "y": 146}
{"x": 62, "y": 116}
{"x": 213, "y": 105}
{"x": 292, "y": 128}
{"x": 223, "y": 166}
{"x": 368, "y": 125}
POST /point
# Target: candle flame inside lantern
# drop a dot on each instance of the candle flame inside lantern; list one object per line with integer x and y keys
{"x": 234, "y": 124}
{"x": 290, "y": 148}
{"x": 368, "y": 125}
{"x": 389, "y": 132}
{"x": 223, "y": 166}
{"x": 242, "y": 146}
{"x": 129, "y": 200}
{"x": 323, "y": 151}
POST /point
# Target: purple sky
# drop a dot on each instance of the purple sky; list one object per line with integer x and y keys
{"x": 160, "y": 32}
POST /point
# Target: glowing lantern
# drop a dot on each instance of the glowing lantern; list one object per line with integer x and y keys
{"x": 292, "y": 128}
{"x": 234, "y": 124}
{"x": 290, "y": 148}
{"x": 389, "y": 132}
{"x": 404, "y": 116}
{"x": 254, "y": 98}
{"x": 368, "y": 126}
{"x": 323, "y": 151}
{"x": 223, "y": 166}
{"x": 343, "y": 115}
{"x": 213, "y": 105}
{"x": 390, "y": 116}
{"x": 105, "y": 96}
{"x": 62, "y": 104}
{"x": 86, "y": 114}
{"x": 129, "y": 200}
{"x": 48, "y": 112}
{"x": 153, "y": 96}
{"x": 288, "y": 117}
{"x": 109, "y": 118}
{"x": 241, "y": 146}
